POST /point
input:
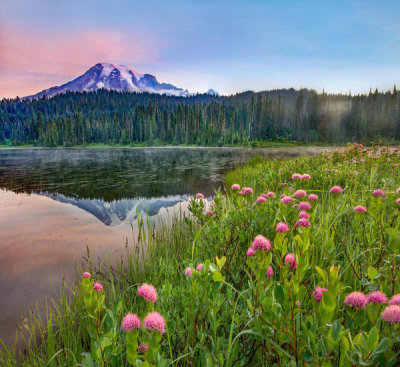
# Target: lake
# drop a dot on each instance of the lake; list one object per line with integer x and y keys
{"x": 56, "y": 202}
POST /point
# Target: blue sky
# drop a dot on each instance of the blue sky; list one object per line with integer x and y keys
{"x": 230, "y": 46}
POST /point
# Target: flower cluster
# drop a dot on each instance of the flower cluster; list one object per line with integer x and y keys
{"x": 318, "y": 293}
{"x": 261, "y": 243}
{"x": 148, "y": 292}
{"x": 130, "y": 322}
{"x": 282, "y": 227}
{"x": 290, "y": 259}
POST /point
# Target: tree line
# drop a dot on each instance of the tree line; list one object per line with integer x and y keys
{"x": 112, "y": 117}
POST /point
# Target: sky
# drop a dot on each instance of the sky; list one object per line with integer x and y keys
{"x": 228, "y": 45}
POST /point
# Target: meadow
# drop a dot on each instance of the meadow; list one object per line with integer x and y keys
{"x": 295, "y": 264}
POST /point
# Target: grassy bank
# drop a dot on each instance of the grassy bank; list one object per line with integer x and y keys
{"x": 309, "y": 278}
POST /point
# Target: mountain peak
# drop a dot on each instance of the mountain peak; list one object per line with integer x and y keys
{"x": 121, "y": 78}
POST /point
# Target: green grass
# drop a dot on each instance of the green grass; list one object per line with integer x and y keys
{"x": 230, "y": 313}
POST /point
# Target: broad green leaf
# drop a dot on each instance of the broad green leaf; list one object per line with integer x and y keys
{"x": 87, "y": 360}
{"x": 382, "y": 347}
{"x": 218, "y": 277}
{"x": 373, "y": 339}
{"x": 279, "y": 294}
{"x": 372, "y": 272}
{"x": 328, "y": 303}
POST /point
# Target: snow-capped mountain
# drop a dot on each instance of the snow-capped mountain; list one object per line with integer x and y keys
{"x": 114, "y": 77}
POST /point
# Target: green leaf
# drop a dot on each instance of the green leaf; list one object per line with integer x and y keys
{"x": 372, "y": 272}
{"x": 373, "y": 339}
{"x": 392, "y": 232}
{"x": 303, "y": 264}
{"x": 87, "y": 360}
{"x": 279, "y": 294}
{"x": 321, "y": 273}
{"x": 105, "y": 342}
{"x": 382, "y": 347}
{"x": 308, "y": 357}
{"x": 131, "y": 355}
{"x": 328, "y": 303}
{"x": 218, "y": 277}
{"x": 336, "y": 328}
{"x": 267, "y": 304}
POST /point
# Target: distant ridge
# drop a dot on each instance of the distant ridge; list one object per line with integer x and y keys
{"x": 113, "y": 77}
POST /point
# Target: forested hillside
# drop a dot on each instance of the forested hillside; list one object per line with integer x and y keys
{"x": 124, "y": 118}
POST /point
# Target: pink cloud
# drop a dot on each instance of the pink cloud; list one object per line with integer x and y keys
{"x": 31, "y": 62}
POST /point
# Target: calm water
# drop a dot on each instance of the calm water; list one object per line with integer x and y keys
{"x": 55, "y": 202}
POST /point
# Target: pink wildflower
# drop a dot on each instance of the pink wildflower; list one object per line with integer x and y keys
{"x": 97, "y": 287}
{"x": 300, "y": 193}
{"x": 304, "y": 205}
{"x": 290, "y": 259}
{"x": 154, "y": 321}
{"x": 282, "y": 227}
{"x": 302, "y": 223}
{"x": 356, "y": 299}
{"x": 283, "y": 196}
{"x": 261, "y": 199}
{"x": 148, "y": 292}
{"x": 199, "y": 195}
{"x": 395, "y": 300}
{"x": 270, "y": 194}
{"x": 188, "y": 272}
{"x": 398, "y": 191}
{"x": 312, "y": 197}
{"x": 360, "y": 209}
{"x": 305, "y": 176}
{"x": 208, "y": 213}
{"x": 270, "y": 272}
{"x": 199, "y": 267}
{"x": 391, "y": 314}
{"x": 290, "y": 188}
{"x": 130, "y": 321}
{"x": 398, "y": 201}
{"x": 296, "y": 176}
{"x": 286, "y": 200}
{"x": 318, "y": 293}
{"x": 336, "y": 190}
{"x": 86, "y": 275}
{"x": 235, "y": 187}
{"x": 143, "y": 348}
{"x": 264, "y": 195}
{"x": 247, "y": 190}
{"x": 250, "y": 252}
{"x": 304, "y": 215}
{"x": 261, "y": 243}
{"x": 379, "y": 192}
{"x": 377, "y": 297}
